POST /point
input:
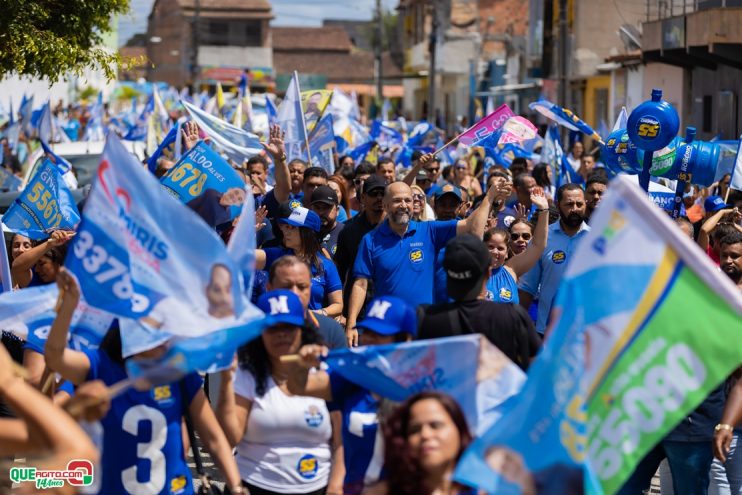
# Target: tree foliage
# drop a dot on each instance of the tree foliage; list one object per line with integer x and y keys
{"x": 48, "y": 38}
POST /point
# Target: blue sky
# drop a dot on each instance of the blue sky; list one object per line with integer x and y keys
{"x": 287, "y": 12}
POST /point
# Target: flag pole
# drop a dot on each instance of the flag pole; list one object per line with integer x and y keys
{"x": 304, "y": 122}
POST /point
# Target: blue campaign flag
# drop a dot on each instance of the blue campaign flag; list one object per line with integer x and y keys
{"x": 6, "y": 281}
{"x": 26, "y": 111}
{"x": 270, "y": 109}
{"x": 8, "y": 181}
{"x": 469, "y": 368}
{"x": 564, "y": 117}
{"x": 63, "y": 165}
{"x": 386, "y": 136}
{"x": 419, "y": 132}
{"x": 242, "y": 244}
{"x": 206, "y": 183}
{"x": 207, "y": 354}
{"x": 45, "y": 205}
{"x": 141, "y": 254}
{"x": 169, "y": 139}
{"x": 45, "y": 124}
{"x": 237, "y": 143}
{"x": 322, "y": 144}
{"x": 359, "y": 153}
{"x": 29, "y": 313}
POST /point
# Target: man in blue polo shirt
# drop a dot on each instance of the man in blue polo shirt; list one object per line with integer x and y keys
{"x": 544, "y": 278}
{"x": 399, "y": 255}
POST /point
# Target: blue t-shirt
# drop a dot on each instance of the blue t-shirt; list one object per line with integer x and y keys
{"x": 342, "y": 216}
{"x": 142, "y": 441}
{"x": 322, "y": 283}
{"x": 403, "y": 266}
{"x": 271, "y": 203}
{"x": 501, "y": 287}
{"x": 362, "y": 439}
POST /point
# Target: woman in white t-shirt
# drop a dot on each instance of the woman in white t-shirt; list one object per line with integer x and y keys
{"x": 285, "y": 443}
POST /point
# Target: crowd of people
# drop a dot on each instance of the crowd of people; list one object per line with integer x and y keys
{"x": 374, "y": 254}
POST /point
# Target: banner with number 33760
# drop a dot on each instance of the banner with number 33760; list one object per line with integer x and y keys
{"x": 142, "y": 254}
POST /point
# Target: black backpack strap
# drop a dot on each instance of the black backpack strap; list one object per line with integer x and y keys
{"x": 455, "y": 320}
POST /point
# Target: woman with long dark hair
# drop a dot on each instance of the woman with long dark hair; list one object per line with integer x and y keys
{"x": 542, "y": 175}
{"x": 299, "y": 227}
{"x": 423, "y": 440}
{"x": 284, "y": 441}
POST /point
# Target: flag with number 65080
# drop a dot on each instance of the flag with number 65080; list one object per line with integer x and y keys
{"x": 142, "y": 254}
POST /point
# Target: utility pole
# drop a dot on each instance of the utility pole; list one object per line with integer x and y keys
{"x": 379, "y": 48}
{"x": 195, "y": 41}
{"x": 563, "y": 55}
{"x": 431, "y": 72}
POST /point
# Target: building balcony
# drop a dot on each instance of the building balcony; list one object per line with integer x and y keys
{"x": 706, "y": 37}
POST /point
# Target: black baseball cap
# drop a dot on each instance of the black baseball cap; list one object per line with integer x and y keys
{"x": 324, "y": 194}
{"x": 373, "y": 182}
{"x": 466, "y": 262}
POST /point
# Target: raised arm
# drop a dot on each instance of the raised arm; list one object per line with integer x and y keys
{"x": 708, "y": 226}
{"x": 526, "y": 260}
{"x": 277, "y": 151}
{"x": 729, "y": 419}
{"x": 476, "y": 222}
{"x": 72, "y": 365}
{"x": 22, "y": 265}
{"x": 412, "y": 174}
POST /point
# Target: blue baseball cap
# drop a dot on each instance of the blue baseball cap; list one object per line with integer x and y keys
{"x": 282, "y": 306}
{"x": 714, "y": 203}
{"x": 389, "y": 315}
{"x": 448, "y": 189}
{"x": 299, "y": 217}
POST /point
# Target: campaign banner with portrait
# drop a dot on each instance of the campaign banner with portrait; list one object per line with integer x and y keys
{"x": 45, "y": 205}
{"x": 141, "y": 254}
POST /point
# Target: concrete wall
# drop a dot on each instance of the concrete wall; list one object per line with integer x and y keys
{"x": 672, "y": 81}
{"x": 235, "y": 56}
{"x": 704, "y": 82}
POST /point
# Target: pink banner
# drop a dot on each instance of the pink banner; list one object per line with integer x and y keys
{"x": 486, "y": 127}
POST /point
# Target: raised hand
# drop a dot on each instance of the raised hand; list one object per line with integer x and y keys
{"x": 275, "y": 146}
{"x": 521, "y": 211}
{"x": 190, "y": 134}
{"x": 59, "y": 237}
{"x": 260, "y": 215}
{"x": 539, "y": 198}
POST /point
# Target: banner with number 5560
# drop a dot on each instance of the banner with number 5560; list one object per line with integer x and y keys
{"x": 46, "y": 204}
{"x": 141, "y": 254}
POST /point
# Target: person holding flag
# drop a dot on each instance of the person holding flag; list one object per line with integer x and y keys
{"x": 156, "y": 466}
{"x": 389, "y": 320}
{"x": 285, "y": 442}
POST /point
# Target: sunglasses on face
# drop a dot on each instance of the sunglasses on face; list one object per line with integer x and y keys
{"x": 432, "y": 170}
{"x": 417, "y": 197}
{"x": 375, "y": 194}
{"x": 524, "y": 236}
{"x": 357, "y": 182}
{"x": 460, "y": 167}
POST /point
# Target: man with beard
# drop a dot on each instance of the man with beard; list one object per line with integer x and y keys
{"x": 543, "y": 279}
{"x": 399, "y": 255}
{"x": 325, "y": 205}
